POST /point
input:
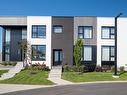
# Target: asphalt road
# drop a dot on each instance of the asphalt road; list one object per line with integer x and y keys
{"x": 82, "y": 89}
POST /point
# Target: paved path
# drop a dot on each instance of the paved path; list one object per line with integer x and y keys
{"x": 81, "y": 89}
{"x": 55, "y": 76}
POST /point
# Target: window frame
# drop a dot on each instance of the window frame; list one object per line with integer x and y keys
{"x": 37, "y": 32}
{"x": 110, "y": 55}
{"x": 83, "y": 27}
{"x": 37, "y": 49}
{"x": 110, "y": 34}
{"x": 53, "y": 28}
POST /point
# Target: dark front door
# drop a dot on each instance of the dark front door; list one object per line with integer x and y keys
{"x": 57, "y": 57}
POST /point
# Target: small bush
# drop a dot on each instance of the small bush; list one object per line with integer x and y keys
{"x": 121, "y": 68}
{"x": 113, "y": 68}
{"x": 5, "y": 63}
{"x": 38, "y": 66}
{"x": 98, "y": 69}
{"x": 90, "y": 67}
{"x": 105, "y": 68}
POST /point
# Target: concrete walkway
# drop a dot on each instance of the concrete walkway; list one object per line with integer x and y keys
{"x": 55, "y": 76}
{"x": 5, "y": 88}
{"x": 13, "y": 71}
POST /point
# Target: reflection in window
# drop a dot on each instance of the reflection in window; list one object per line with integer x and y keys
{"x": 39, "y": 52}
{"x": 87, "y": 53}
{"x": 57, "y": 28}
{"x": 38, "y": 31}
{"x": 108, "y": 53}
{"x": 108, "y": 32}
{"x": 85, "y": 31}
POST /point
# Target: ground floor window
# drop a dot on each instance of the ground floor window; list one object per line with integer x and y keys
{"x": 108, "y": 53}
{"x": 87, "y": 53}
{"x": 39, "y": 52}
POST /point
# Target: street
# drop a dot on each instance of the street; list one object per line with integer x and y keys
{"x": 80, "y": 89}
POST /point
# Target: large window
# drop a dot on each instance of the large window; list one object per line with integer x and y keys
{"x": 38, "y": 31}
{"x": 39, "y": 52}
{"x": 87, "y": 53}
{"x": 85, "y": 32}
{"x": 108, "y": 53}
{"x": 57, "y": 28}
{"x": 108, "y": 32}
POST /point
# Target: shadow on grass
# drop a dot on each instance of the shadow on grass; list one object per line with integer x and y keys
{"x": 121, "y": 73}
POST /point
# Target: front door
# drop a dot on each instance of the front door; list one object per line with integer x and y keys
{"x": 57, "y": 57}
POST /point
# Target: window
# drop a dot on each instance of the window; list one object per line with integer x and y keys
{"x": 108, "y": 53}
{"x": 85, "y": 32}
{"x": 108, "y": 32}
{"x": 87, "y": 53}
{"x": 57, "y": 28}
{"x": 38, "y": 31}
{"x": 39, "y": 52}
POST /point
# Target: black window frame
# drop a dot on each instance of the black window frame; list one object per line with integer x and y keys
{"x": 37, "y": 32}
{"x": 83, "y": 32}
{"x": 53, "y": 28}
{"x": 32, "y": 53}
{"x": 110, "y": 56}
{"x": 110, "y": 34}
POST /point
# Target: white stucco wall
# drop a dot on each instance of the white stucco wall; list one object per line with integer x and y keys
{"x": 103, "y": 21}
{"x": 40, "y": 20}
{"x": 122, "y": 42}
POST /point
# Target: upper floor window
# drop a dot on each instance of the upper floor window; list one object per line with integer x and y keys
{"x": 108, "y": 32}
{"x": 85, "y": 32}
{"x": 38, "y": 31}
{"x": 57, "y": 28}
{"x": 39, "y": 52}
{"x": 108, "y": 53}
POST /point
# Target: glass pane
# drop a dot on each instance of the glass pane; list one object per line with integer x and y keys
{"x": 112, "y": 51}
{"x": 61, "y": 56}
{"x": 80, "y": 36}
{"x": 41, "y": 31}
{"x": 39, "y": 52}
{"x": 87, "y": 32}
{"x": 57, "y": 29}
{"x": 105, "y": 53}
{"x": 105, "y": 33}
{"x": 80, "y": 29}
{"x": 56, "y": 56}
{"x": 87, "y": 53}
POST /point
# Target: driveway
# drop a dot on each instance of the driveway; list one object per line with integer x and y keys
{"x": 80, "y": 89}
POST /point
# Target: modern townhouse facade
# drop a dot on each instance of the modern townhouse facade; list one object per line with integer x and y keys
{"x": 52, "y": 39}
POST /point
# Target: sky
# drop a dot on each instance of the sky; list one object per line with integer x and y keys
{"x": 62, "y": 8}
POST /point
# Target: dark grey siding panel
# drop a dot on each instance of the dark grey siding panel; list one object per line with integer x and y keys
{"x": 16, "y": 36}
{"x": 63, "y": 40}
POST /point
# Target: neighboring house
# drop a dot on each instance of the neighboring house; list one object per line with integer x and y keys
{"x": 52, "y": 39}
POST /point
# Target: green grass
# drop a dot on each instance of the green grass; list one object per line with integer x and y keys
{"x": 91, "y": 76}
{"x": 3, "y": 71}
{"x": 36, "y": 77}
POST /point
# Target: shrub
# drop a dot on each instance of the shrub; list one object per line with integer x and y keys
{"x": 121, "y": 68}
{"x": 68, "y": 68}
{"x": 38, "y": 66}
{"x": 98, "y": 69}
{"x": 105, "y": 68}
{"x": 90, "y": 67}
{"x": 113, "y": 68}
{"x": 5, "y": 63}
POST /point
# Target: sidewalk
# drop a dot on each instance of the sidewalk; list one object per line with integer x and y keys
{"x": 5, "y": 88}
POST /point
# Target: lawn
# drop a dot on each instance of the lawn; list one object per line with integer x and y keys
{"x": 91, "y": 76}
{"x": 36, "y": 77}
{"x": 3, "y": 71}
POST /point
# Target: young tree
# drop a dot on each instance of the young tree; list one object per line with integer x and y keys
{"x": 78, "y": 52}
{"x": 26, "y": 51}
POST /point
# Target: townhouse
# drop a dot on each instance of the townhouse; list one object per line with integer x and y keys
{"x": 52, "y": 39}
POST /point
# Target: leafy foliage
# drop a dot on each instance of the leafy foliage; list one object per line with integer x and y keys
{"x": 78, "y": 52}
